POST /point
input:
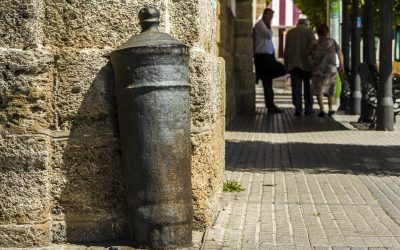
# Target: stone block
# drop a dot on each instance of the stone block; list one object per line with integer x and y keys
{"x": 230, "y": 97}
{"x": 194, "y": 23}
{"x": 246, "y": 102}
{"x": 245, "y": 92}
{"x": 21, "y": 24}
{"x": 58, "y": 232}
{"x": 244, "y": 64}
{"x": 208, "y": 150}
{"x": 26, "y": 85}
{"x": 231, "y": 110}
{"x": 24, "y": 235}
{"x": 245, "y": 81}
{"x": 229, "y": 66}
{"x": 244, "y": 45}
{"x": 206, "y": 97}
{"x": 94, "y": 24}
{"x": 86, "y": 186}
{"x": 208, "y": 27}
{"x": 85, "y": 87}
{"x": 92, "y": 232}
{"x": 24, "y": 196}
{"x": 244, "y": 10}
{"x": 223, "y": 84}
{"x": 185, "y": 21}
{"x": 244, "y": 28}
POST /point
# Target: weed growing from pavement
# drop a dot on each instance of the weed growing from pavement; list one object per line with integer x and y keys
{"x": 231, "y": 186}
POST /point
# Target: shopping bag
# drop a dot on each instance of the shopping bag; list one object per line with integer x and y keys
{"x": 338, "y": 91}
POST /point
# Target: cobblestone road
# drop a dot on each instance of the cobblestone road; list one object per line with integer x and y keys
{"x": 310, "y": 183}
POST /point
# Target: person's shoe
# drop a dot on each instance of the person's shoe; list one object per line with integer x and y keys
{"x": 297, "y": 113}
{"x": 331, "y": 113}
{"x": 321, "y": 114}
{"x": 275, "y": 109}
{"x": 309, "y": 112}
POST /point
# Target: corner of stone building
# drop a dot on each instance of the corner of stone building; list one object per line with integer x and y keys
{"x": 195, "y": 23}
{"x": 208, "y": 126}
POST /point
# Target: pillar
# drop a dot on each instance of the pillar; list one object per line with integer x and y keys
{"x": 385, "y": 100}
{"x": 355, "y": 105}
{"x": 368, "y": 36}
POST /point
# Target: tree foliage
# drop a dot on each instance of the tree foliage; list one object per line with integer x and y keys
{"x": 396, "y": 11}
{"x": 316, "y": 10}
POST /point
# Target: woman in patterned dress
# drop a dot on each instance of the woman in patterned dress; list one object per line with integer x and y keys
{"x": 324, "y": 68}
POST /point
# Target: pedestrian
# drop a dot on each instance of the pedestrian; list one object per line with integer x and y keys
{"x": 267, "y": 68}
{"x": 324, "y": 68}
{"x": 298, "y": 64}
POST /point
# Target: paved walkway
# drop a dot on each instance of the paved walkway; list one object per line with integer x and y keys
{"x": 310, "y": 183}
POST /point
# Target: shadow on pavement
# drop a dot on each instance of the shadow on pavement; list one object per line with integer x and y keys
{"x": 259, "y": 156}
{"x": 287, "y": 122}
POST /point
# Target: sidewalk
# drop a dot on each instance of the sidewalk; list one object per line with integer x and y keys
{"x": 310, "y": 183}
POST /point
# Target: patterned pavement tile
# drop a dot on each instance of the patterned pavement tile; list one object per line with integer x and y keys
{"x": 310, "y": 183}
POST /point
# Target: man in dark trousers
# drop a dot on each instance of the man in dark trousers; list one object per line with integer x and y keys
{"x": 267, "y": 68}
{"x": 298, "y": 63}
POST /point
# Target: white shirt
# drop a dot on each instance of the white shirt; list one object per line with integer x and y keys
{"x": 263, "y": 39}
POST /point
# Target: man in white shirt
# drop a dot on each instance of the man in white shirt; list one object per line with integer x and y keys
{"x": 267, "y": 68}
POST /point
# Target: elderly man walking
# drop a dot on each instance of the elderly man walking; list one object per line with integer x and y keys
{"x": 298, "y": 63}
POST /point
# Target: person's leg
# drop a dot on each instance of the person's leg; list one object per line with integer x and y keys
{"x": 320, "y": 99}
{"x": 269, "y": 96}
{"x": 295, "y": 75}
{"x": 331, "y": 94}
{"x": 308, "y": 97}
{"x": 268, "y": 91}
{"x": 331, "y": 101}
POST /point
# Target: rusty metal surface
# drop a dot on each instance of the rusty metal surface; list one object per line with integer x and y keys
{"x": 154, "y": 119}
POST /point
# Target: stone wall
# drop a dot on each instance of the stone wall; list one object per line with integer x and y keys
{"x": 60, "y": 176}
{"x": 236, "y": 48}
{"x": 207, "y": 106}
{"x": 226, "y": 46}
{"x": 244, "y": 69}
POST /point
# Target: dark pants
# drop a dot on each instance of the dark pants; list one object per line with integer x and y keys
{"x": 267, "y": 68}
{"x": 298, "y": 77}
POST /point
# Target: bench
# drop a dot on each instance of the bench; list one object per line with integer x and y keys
{"x": 345, "y": 95}
{"x": 370, "y": 81}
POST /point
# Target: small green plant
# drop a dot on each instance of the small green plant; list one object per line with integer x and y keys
{"x": 317, "y": 213}
{"x": 232, "y": 186}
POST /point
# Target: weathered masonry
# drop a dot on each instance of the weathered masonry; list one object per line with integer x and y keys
{"x": 60, "y": 173}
